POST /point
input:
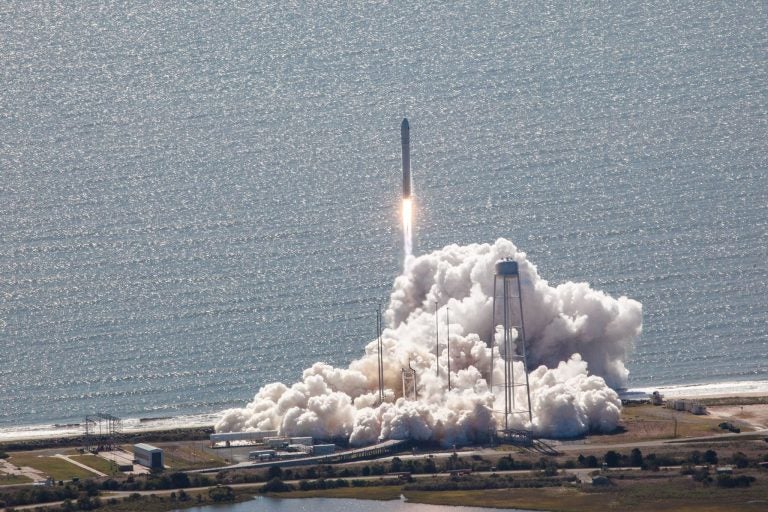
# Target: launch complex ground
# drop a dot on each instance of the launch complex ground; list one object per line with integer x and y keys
{"x": 678, "y": 472}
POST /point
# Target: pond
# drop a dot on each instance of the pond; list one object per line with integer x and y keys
{"x": 264, "y": 504}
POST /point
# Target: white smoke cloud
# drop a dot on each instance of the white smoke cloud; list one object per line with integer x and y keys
{"x": 577, "y": 339}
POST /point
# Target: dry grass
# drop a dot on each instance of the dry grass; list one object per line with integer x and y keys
{"x": 678, "y": 493}
{"x": 188, "y": 456}
{"x": 649, "y": 422}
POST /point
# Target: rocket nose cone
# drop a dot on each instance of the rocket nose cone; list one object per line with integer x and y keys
{"x": 404, "y": 125}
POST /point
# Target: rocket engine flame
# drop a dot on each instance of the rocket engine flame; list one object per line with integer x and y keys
{"x": 408, "y": 227}
{"x": 578, "y": 340}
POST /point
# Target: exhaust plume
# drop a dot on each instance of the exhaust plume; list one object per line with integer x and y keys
{"x": 578, "y": 339}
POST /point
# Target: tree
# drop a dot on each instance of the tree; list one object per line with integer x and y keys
{"x": 739, "y": 460}
{"x": 695, "y": 457}
{"x": 396, "y": 466}
{"x": 179, "y": 480}
{"x": 636, "y": 458}
{"x": 274, "y": 472}
{"x": 710, "y": 457}
{"x": 505, "y": 463}
{"x": 612, "y": 459}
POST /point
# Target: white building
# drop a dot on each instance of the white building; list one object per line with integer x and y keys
{"x": 148, "y": 456}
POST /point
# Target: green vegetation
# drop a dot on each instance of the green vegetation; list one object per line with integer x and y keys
{"x": 55, "y": 467}
{"x": 97, "y": 463}
{"x": 6, "y": 479}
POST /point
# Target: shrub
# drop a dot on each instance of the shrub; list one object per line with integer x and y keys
{"x": 221, "y": 493}
{"x": 739, "y": 481}
{"x": 276, "y": 485}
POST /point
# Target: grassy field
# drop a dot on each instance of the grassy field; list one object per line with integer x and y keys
{"x": 678, "y": 493}
{"x": 58, "y": 469}
{"x": 97, "y": 463}
{"x": 187, "y": 455}
{"x": 6, "y": 479}
{"x": 649, "y": 422}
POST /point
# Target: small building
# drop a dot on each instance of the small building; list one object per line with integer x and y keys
{"x": 262, "y": 455}
{"x": 323, "y": 449}
{"x": 148, "y": 456}
{"x": 601, "y": 481}
{"x": 724, "y": 470}
{"x": 276, "y": 443}
{"x": 306, "y": 441}
{"x": 687, "y": 405}
{"x": 301, "y": 448}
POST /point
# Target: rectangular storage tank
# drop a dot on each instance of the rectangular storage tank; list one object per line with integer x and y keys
{"x": 262, "y": 454}
{"x": 148, "y": 456}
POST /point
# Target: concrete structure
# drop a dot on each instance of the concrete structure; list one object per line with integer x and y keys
{"x": 381, "y": 449}
{"x": 242, "y": 436}
{"x": 148, "y": 456}
{"x": 301, "y": 440}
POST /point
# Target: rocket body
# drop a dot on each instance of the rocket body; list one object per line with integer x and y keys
{"x": 405, "y": 138}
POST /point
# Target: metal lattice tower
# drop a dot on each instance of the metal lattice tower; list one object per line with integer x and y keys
{"x": 508, "y": 313}
{"x": 409, "y": 383}
{"x": 102, "y": 432}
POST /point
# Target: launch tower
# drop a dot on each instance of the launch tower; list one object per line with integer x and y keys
{"x": 508, "y": 314}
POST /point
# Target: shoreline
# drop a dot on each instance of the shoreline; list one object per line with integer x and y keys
{"x": 137, "y": 426}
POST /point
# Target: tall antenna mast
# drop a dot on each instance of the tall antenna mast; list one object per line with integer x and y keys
{"x": 381, "y": 355}
{"x": 437, "y": 344}
{"x": 448, "y": 342}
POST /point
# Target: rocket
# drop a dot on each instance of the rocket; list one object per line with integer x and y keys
{"x": 405, "y": 138}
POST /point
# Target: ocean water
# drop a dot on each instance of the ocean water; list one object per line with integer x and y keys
{"x": 200, "y": 198}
